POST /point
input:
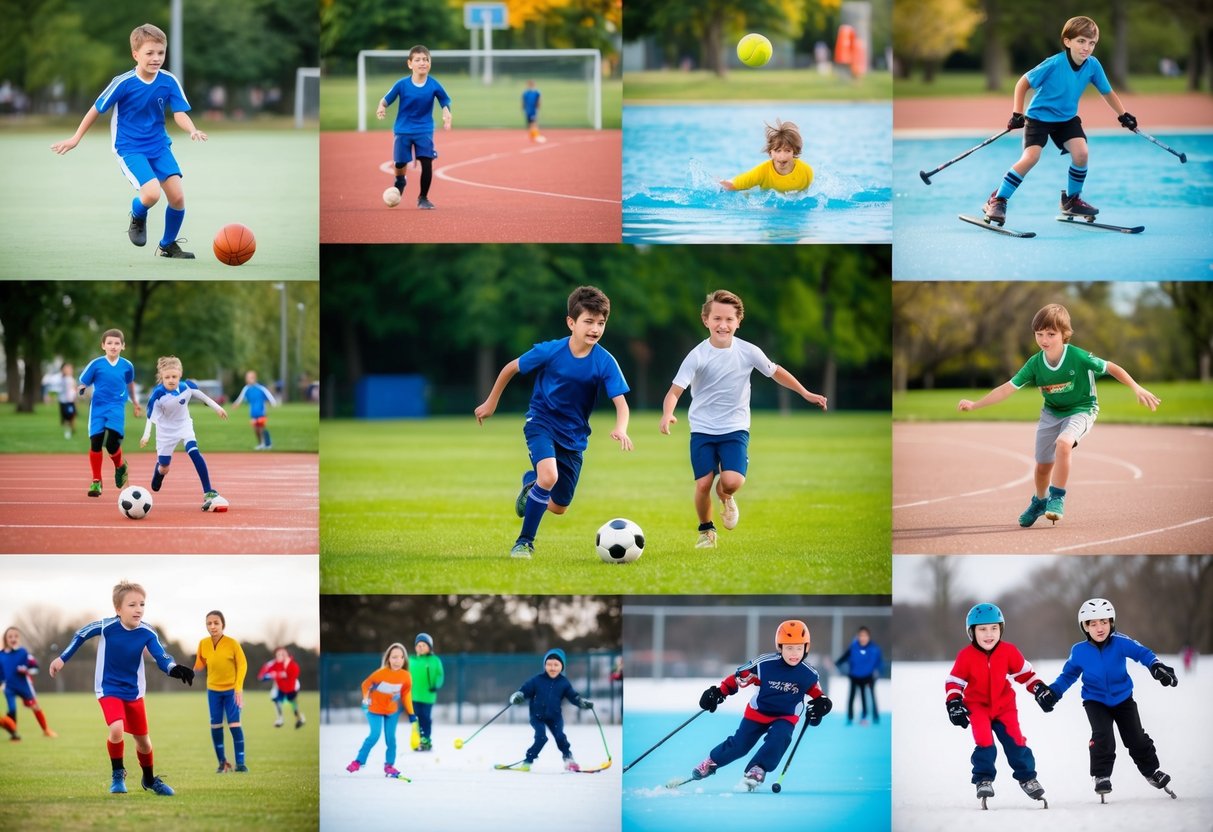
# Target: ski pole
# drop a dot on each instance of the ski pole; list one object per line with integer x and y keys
{"x": 926, "y": 175}
{"x": 602, "y": 733}
{"x": 663, "y": 739}
{"x": 1183, "y": 157}
{"x": 461, "y": 743}
{"x": 775, "y": 787}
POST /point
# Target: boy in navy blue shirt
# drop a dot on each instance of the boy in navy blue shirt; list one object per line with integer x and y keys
{"x": 112, "y": 378}
{"x": 414, "y": 126}
{"x": 784, "y": 679}
{"x": 140, "y": 142}
{"x": 1107, "y": 694}
{"x": 568, "y": 375}
{"x": 546, "y": 691}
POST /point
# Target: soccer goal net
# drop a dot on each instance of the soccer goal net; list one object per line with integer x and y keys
{"x": 486, "y": 87}
{"x": 307, "y": 95}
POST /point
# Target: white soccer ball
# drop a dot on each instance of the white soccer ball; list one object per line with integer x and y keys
{"x": 619, "y": 541}
{"x": 135, "y": 502}
{"x": 391, "y": 197}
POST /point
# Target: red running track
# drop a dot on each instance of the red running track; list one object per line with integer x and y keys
{"x": 1134, "y": 489}
{"x": 490, "y": 186}
{"x": 275, "y": 507}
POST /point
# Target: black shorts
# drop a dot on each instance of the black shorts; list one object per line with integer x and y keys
{"x": 1037, "y": 133}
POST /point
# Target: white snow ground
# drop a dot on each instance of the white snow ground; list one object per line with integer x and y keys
{"x": 931, "y": 770}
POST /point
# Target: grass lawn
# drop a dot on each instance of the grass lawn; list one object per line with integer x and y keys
{"x": 960, "y": 84}
{"x": 1183, "y": 403}
{"x": 765, "y": 85}
{"x": 427, "y": 506}
{"x": 293, "y": 427}
{"x": 63, "y": 783}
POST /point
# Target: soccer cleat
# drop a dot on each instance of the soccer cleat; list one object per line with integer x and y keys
{"x": 173, "y": 250}
{"x": 137, "y": 230}
{"x": 157, "y": 478}
{"x": 729, "y": 513}
{"x": 1075, "y": 206}
{"x": 1055, "y": 507}
{"x": 707, "y": 540}
{"x": 753, "y": 778}
{"x": 528, "y": 482}
{"x": 522, "y": 549}
{"x": 15, "y": 737}
{"x": 425, "y": 204}
{"x": 995, "y": 208}
{"x": 570, "y": 764}
{"x": 242, "y": 768}
{"x": 353, "y": 767}
{"x": 299, "y": 720}
{"x": 1159, "y": 779}
{"x": 1033, "y": 512}
{"x": 213, "y": 502}
{"x": 705, "y": 769}
{"x": 1103, "y": 785}
{"x": 94, "y": 490}
{"x": 985, "y": 789}
{"x": 224, "y": 767}
{"x": 118, "y": 782}
{"x": 278, "y": 722}
{"x": 158, "y": 786}
{"x": 1032, "y": 788}
{"x": 120, "y": 475}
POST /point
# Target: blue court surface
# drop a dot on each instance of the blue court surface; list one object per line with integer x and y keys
{"x": 674, "y": 157}
{"x": 1131, "y": 181}
{"x": 839, "y": 781}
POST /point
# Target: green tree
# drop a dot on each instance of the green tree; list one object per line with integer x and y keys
{"x": 927, "y": 31}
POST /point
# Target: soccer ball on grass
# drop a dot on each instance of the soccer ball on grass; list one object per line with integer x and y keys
{"x": 619, "y": 541}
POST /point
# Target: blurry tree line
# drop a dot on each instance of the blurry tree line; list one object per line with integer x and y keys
{"x": 218, "y": 330}
{"x": 458, "y": 314}
{"x": 1006, "y": 38}
{"x": 349, "y": 26}
{"x": 68, "y": 50}
{"x": 980, "y": 334}
{"x": 471, "y": 623}
{"x": 1163, "y": 602}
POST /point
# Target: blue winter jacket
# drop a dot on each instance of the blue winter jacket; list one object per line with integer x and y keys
{"x": 863, "y": 661}
{"x": 545, "y": 693}
{"x": 1105, "y": 678}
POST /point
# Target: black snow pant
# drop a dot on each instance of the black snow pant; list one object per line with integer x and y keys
{"x": 1103, "y": 743}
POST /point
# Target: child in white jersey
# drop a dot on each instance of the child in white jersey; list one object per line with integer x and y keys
{"x": 717, "y": 372}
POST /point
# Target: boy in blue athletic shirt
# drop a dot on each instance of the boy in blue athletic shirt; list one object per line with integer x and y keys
{"x": 414, "y": 126}
{"x": 569, "y": 373}
{"x": 530, "y": 109}
{"x": 257, "y": 395}
{"x": 1059, "y": 82}
{"x": 140, "y": 142}
{"x": 113, "y": 381}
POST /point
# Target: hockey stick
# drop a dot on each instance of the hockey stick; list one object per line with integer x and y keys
{"x": 1183, "y": 157}
{"x": 663, "y": 739}
{"x": 601, "y": 733}
{"x": 926, "y": 175}
{"x": 462, "y": 743}
{"x": 776, "y": 787}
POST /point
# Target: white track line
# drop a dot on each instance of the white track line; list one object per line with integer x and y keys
{"x": 1133, "y": 469}
{"x": 1028, "y": 477}
{"x": 442, "y": 173}
{"x": 157, "y": 527}
{"x": 1130, "y": 536}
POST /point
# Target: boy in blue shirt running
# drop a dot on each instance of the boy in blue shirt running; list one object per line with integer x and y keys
{"x": 140, "y": 142}
{"x": 569, "y": 373}
{"x": 113, "y": 381}
{"x": 530, "y": 109}
{"x": 257, "y": 395}
{"x": 414, "y": 126}
{"x": 1059, "y": 82}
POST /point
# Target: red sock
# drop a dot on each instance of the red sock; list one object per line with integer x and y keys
{"x": 115, "y": 749}
{"x": 41, "y": 717}
{"x": 145, "y": 763}
{"x": 117, "y": 458}
{"x": 94, "y": 459}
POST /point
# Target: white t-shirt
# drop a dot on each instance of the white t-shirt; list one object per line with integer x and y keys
{"x": 169, "y": 412}
{"x": 719, "y": 381}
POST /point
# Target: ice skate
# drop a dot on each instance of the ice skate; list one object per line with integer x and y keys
{"x": 1075, "y": 206}
{"x": 753, "y": 778}
{"x": 1103, "y": 786}
{"x": 985, "y": 789}
{"x": 1034, "y": 790}
{"x": 995, "y": 208}
{"x": 1159, "y": 780}
{"x": 705, "y": 769}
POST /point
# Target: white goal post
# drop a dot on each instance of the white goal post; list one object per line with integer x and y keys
{"x": 300, "y": 93}
{"x": 481, "y": 62}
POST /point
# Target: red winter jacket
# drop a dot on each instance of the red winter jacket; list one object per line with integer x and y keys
{"x": 984, "y": 679}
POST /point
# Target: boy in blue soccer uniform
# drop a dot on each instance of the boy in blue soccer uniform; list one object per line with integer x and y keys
{"x": 546, "y": 691}
{"x": 140, "y": 142}
{"x": 257, "y": 395}
{"x": 1059, "y": 82}
{"x": 530, "y": 109}
{"x": 414, "y": 126}
{"x": 17, "y": 670}
{"x": 112, "y": 378}
{"x": 569, "y": 373}
{"x": 120, "y": 684}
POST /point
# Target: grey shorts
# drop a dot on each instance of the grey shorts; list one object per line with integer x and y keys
{"x": 1050, "y": 428}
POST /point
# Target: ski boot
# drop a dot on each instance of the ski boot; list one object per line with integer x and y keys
{"x": 705, "y": 769}
{"x": 1075, "y": 206}
{"x": 753, "y": 778}
{"x": 985, "y": 789}
{"x": 1034, "y": 790}
{"x": 1103, "y": 786}
{"x": 1159, "y": 780}
{"x": 995, "y": 208}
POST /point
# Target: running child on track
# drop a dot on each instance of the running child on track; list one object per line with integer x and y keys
{"x": 785, "y": 171}
{"x": 17, "y": 670}
{"x": 530, "y": 109}
{"x": 112, "y": 378}
{"x": 414, "y": 128}
{"x": 223, "y": 659}
{"x": 257, "y": 395}
{"x": 545, "y": 692}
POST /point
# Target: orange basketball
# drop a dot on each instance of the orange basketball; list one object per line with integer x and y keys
{"x": 234, "y": 244}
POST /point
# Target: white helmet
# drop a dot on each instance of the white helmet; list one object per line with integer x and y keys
{"x": 1094, "y": 608}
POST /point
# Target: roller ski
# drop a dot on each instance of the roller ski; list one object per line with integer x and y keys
{"x": 985, "y": 790}
{"x": 1034, "y": 790}
{"x": 994, "y": 216}
{"x": 1077, "y": 211}
{"x": 1159, "y": 780}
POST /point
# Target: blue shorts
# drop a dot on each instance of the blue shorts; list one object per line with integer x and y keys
{"x": 540, "y": 445}
{"x": 413, "y": 145}
{"x": 723, "y": 452}
{"x": 113, "y": 418}
{"x": 140, "y": 169}
{"x": 222, "y": 703}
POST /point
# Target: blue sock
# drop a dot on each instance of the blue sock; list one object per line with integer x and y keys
{"x": 238, "y": 743}
{"x": 1054, "y": 491}
{"x": 265, "y": 437}
{"x": 1010, "y": 182}
{"x": 138, "y": 209}
{"x": 172, "y": 224}
{"x": 191, "y": 447}
{"x": 1077, "y": 176}
{"x": 217, "y": 741}
{"x": 536, "y": 505}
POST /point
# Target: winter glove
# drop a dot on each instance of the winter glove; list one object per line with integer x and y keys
{"x": 180, "y": 671}
{"x": 516, "y": 698}
{"x": 1165, "y": 675}
{"x": 413, "y": 719}
{"x": 585, "y": 704}
{"x": 1127, "y": 121}
{"x": 957, "y": 712}
{"x": 1045, "y": 697}
{"x": 711, "y": 698}
{"x": 818, "y": 708}
{"x": 1016, "y": 121}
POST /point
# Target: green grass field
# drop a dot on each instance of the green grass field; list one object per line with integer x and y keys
{"x": 427, "y": 506}
{"x": 63, "y": 783}
{"x": 745, "y": 85}
{"x": 963, "y": 84}
{"x": 71, "y": 218}
{"x": 293, "y": 427}
{"x": 1183, "y": 403}
{"x": 564, "y": 103}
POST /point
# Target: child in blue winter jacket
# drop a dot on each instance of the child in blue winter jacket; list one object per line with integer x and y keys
{"x": 1107, "y": 694}
{"x": 546, "y": 691}
{"x": 863, "y": 660}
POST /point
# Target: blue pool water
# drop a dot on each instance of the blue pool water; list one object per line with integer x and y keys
{"x": 1130, "y": 180}
{"x": 674, "y": 156}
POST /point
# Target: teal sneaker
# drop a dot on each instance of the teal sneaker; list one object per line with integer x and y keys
{"x": 1055, "y": 507}
{"x": 522, "y": 549}
{"x": 528, "y": 482}
{"x": 118, "y": 784}
{"x": 1033, "y": 513}
{"x": 158, "y": 786}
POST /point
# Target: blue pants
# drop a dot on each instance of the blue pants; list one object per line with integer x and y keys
{"x": 556, "y": 726}
{"x": 778, "y": 738}
{"x": 386, "y": 725}
{"x": 425, "y": 712}
{"x": 1023, "y": 763}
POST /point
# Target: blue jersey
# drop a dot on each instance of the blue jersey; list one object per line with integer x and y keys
{"x": 781, "y": 687}
{"x": 16, "y": 669}
{"x": 530, "y": 103}
{"x": 138, "y": 122}
{"x": 546, "y": 694}
{"x": 120, "y": 656}
{"x": 863, "y": 661}
{"x": 1105, "y": 677}
{"x": 109, "y": 381}
{"x": 416, "y": 111}
{"x": 257, "y": 396}
{"x": 566, "y": 388}
{"x": 1059, "y": 86}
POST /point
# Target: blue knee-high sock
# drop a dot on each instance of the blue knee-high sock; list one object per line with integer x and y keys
{"x": 217, "y": 741}
{"x": 1010, "y": 182}
{"x": 1077, "y": 176}
{"x": 138, "y": 209}
{"x": 173, "y": 218}
{"x": 536, "y": 505}
{"x": 199, "y": 465}
{"x": 238, "y": 743}
{"x": 265, "y": 437}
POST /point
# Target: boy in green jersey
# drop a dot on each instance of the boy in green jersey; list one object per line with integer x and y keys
{"x": 1065, "y": 375}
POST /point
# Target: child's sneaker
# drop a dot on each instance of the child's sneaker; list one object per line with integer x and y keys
{"x": 426, "y": 744}
{"x": 173, "y": 250}
{"x": 1055, "y": 507}
{"x": 1075, "y": 206}
{"x": 299, "y": 720}
{"x": 1159, "y": 779}
{"x": 425, "y": 204}
{"x": 729, "y": 513}
{"x": 94, "y": 490}
{"x": 120, "y": 474}
{"x": 353, "y": 767}
{"x": 985, "y": 789}
{"x": 570, "y": 764}
{"x": 995, "y": 208}
{"x": 390, "y": 770}
{"x": 522, "y": 549}
{"x": 224, "y": 767}
{"x": 213, "y": 502}
{"x": 1103, "y": 785}
{"x": 707, "y": 540}
{"x": 118, "y": 782}
{"x": 1032, "y": 788}
{"x": 137, "y": 230}
{"x": 158, "y": 786}
{"x": 753, "y": 778}
{"x": 705, "y": 769}
{"x": 157, "y": 478}
{"x": 1033, "y": 512}
{"x": 241, "y": 768}
{"x": 528, "y": 482}
{"x": 279, "y": 721}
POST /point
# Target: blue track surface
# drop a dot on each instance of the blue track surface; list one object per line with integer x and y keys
{"x": 1131, "y": 181}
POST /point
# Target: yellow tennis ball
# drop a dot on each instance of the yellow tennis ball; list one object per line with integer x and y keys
{"x": 458, "y": 743}
{"x": 754, "y": 50}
